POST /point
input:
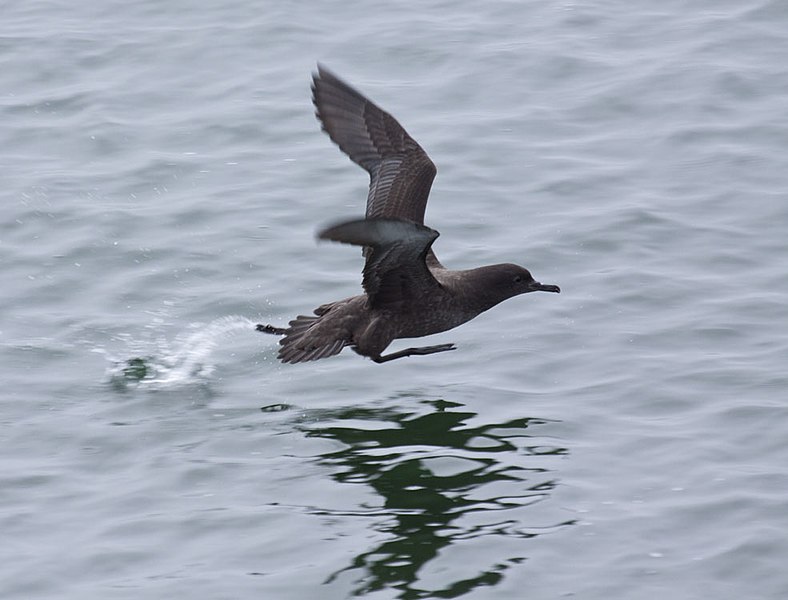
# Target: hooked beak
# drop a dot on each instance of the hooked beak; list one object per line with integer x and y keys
{"x": 544, "y": 287}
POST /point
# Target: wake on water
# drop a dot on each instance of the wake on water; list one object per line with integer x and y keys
{"x": 184, "y": 361}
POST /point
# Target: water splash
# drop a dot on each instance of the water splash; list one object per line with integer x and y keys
{"x": 184, "y": 361}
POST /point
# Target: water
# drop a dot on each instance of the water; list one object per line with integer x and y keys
{"x": 163, "y": 177}
{"x": 166, "y": 367}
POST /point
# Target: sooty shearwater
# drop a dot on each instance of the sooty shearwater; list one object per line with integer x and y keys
{"x": 408, "y": 292}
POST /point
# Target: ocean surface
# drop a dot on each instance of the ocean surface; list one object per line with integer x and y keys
{"x": 162, "y": 176}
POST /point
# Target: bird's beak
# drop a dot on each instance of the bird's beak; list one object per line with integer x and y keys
{"x": 544, "y": 287}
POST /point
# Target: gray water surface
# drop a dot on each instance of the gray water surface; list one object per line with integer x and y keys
{"x": 162, "y": 179}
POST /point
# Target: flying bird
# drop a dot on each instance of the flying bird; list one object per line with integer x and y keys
{"x": 408, "y": 293}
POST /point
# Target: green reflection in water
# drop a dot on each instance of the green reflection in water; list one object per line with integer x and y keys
{"x": 444, "y": 480}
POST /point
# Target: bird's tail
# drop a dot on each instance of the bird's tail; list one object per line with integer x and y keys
{"x": 304, "y": 341}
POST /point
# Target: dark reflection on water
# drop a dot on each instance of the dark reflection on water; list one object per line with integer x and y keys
{"x": 443, "y": 483}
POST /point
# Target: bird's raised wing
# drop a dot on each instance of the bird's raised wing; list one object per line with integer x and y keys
{"x": 395, "y": 272}
{"x": 400, "y": 172}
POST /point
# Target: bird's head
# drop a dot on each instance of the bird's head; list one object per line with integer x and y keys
{"x": 497, "y": 283}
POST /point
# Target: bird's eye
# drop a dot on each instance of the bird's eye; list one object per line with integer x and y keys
{"x": 518, "y": 278}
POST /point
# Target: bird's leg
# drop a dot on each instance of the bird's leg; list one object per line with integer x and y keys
{"x": 414, "y": 352}
{"x": 271, "y": 329}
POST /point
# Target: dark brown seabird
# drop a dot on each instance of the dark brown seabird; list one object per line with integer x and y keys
{"x": 408, "y": 292}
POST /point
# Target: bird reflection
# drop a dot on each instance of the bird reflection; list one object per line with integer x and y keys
{"x": 444, "y": 481}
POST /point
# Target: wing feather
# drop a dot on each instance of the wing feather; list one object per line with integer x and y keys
{"x": 395, "y": 272}
{"x": 400, "y": 171}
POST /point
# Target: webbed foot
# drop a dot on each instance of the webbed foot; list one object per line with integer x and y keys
{"x": 271, "y": 329}
{"x": 420, "y": 351}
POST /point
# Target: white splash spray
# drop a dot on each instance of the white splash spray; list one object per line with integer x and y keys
{"x": 184, "y": 361}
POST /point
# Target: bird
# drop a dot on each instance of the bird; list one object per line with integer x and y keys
{"x": 408, "y": 293}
